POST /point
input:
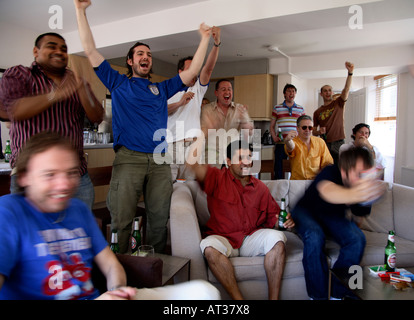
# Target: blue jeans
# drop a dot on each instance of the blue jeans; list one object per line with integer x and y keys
{"x": 313, "y": 229}
{"x": 85, "y": 191}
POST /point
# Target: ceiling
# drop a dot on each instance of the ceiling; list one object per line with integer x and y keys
{"x": 385, "y": 23}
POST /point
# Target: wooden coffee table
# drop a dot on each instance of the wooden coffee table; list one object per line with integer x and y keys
{"x": 374, "y": 288}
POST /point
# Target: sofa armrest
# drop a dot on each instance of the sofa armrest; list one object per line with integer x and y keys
{"x": 141, "y": 272}
{"x": 185, "y": 230}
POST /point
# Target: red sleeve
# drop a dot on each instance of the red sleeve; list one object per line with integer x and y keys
{"x": 211, "y": 180}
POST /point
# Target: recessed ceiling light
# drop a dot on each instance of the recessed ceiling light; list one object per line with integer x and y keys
{"x": 239, "y": 55}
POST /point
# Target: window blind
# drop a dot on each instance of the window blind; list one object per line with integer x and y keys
{"x": 386, "y": 97}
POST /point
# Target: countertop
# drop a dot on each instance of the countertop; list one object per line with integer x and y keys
{"x": 4, "y": 167}
{"x": 98, "y": 146}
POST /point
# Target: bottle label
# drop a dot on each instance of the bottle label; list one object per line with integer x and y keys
{"x": 391, "y": 260}
{"x": 133, "y": 243}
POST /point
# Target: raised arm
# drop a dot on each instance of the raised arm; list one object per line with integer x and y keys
{"x": 345, "y": 92}
{"x": 198, "y": 59}
{"x": 208, "y": 68}
{"x": 290, "y": 145}
{"x": 364, "y": 190}
{"x": 85, "y": 33}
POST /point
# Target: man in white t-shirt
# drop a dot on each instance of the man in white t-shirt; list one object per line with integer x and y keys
{"x": 184, "y": 110}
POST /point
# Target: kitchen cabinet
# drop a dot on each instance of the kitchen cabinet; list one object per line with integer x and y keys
{"x": 100, "y": 156}
{"x": 83, "y": 68}
{"x": 267, "y": 155}
{"x": 255, "y": 91}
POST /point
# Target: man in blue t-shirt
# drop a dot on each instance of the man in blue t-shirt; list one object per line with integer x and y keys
{"x": 139, "y": 122}
{"x": 321, "y": 212}
{"x": 48, "y": 240}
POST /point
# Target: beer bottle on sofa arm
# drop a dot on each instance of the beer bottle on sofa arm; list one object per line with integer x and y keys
{"x": 390, "y": 253}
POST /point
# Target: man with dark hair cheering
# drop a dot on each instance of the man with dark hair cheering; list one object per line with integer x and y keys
{"x": 139, "y": 123}
{"x": 48, "y": 96}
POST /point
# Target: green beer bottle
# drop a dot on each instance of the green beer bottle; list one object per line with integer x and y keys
{"x": 279, "y": 134}
{"x": 114, "y": 242}
{"x": 135, "y": 238}
{"x": 282, "y": 214}
{"x": 7, "y": 152}
{"x": 390, "y": 253}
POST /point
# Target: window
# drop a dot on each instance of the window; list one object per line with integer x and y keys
{"x": 386, "y": 98}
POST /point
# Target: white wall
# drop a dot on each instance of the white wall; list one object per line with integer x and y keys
{"x": 17, "y": 45}
{"x": 404, "y": 155}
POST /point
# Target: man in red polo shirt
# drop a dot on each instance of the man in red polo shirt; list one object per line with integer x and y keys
{"x": 243, "y": 215}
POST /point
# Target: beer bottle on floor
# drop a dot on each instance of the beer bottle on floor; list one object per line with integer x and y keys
{"x": 135, "y": 238}
{"x": 390, "y": 253}
{"x": 114, "y": 242}
{"x": 282, "y": 214}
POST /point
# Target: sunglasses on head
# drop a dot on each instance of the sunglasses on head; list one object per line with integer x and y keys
{"x": 309, "y": 127}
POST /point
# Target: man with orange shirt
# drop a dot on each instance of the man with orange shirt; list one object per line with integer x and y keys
{"x": 308, "y": 154}
{"x": 330, "y": 116}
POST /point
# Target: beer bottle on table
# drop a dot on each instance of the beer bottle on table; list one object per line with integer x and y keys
{"x": 135, "y": 238}
{"x": 390, "y": 253}
{"x": 114, "y": 242}
{"x": 282, "y": 214}
{"x": 7, "y": 152}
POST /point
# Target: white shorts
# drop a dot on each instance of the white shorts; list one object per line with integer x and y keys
{"x": 257, "y": 244}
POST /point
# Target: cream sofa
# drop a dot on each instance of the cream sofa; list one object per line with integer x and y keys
{"x": 189, "y": 214}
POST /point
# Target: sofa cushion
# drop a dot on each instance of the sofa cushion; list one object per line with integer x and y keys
{"x": 297, "y": 189}
{"x": 278, "y": 189}
{"x": 200, "y": 202}
{"x": 403, "y": 211}
{"x": 381, "y": 217}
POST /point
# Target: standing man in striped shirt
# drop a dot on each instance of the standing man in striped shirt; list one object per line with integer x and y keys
{"x": 284, "y": 116}
{"x": 48, "y": 97}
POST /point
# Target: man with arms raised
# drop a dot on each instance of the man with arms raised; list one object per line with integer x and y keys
{"x": 243, "y": 215}
{"x": 184, "y": 109}
{"x": 330, "y": 116}
{"x": 139, "y": 122}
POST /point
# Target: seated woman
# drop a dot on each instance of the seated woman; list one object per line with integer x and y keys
{"x": 360, "y": 134}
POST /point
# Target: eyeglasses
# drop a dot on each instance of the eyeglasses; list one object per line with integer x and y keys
{"x": 308, "y": 127}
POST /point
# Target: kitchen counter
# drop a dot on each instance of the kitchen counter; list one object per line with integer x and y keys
{"x": 4, "y": 167}
{"x": 98, "y": 146}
